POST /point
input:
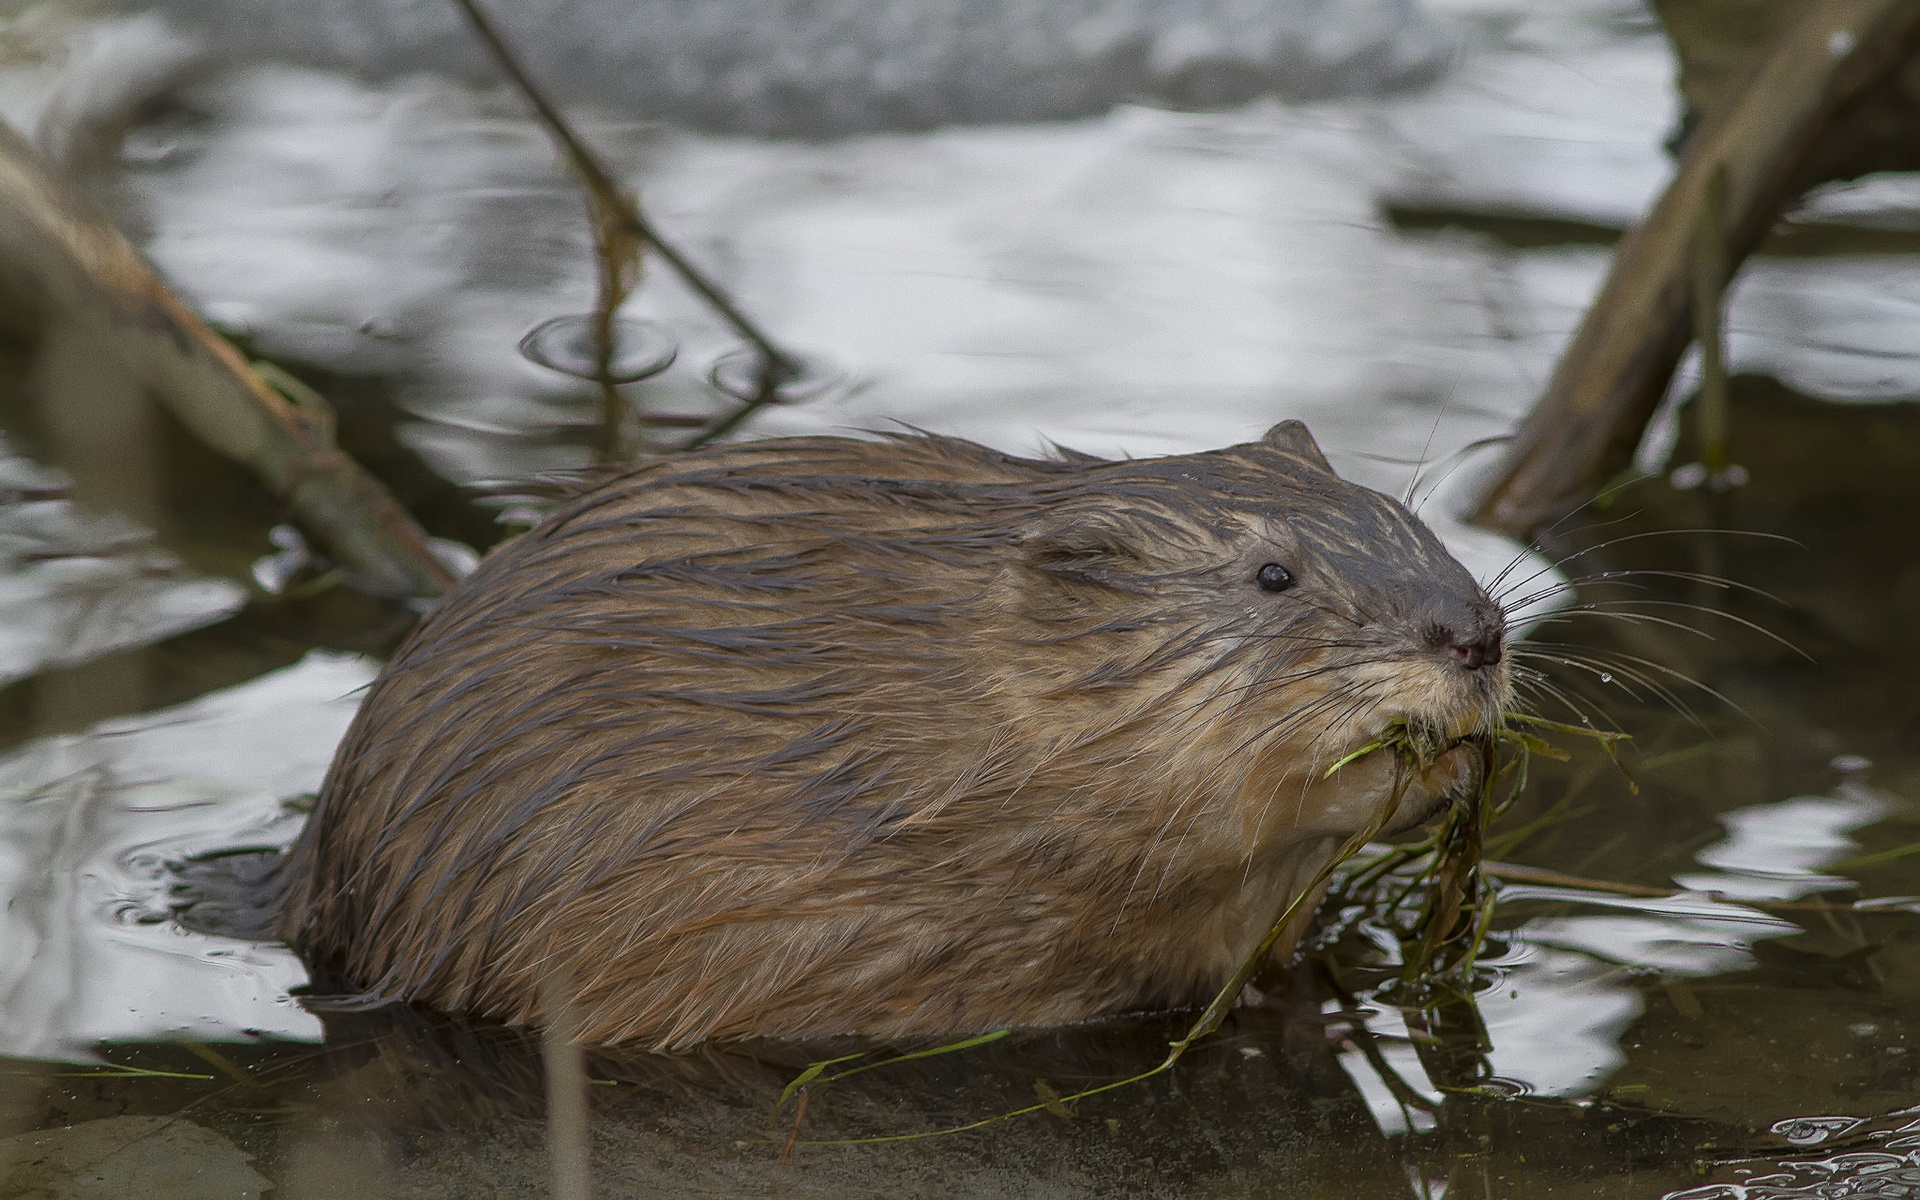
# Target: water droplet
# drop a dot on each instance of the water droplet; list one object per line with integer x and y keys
{"x": 737, "y": 373}
{"x": 273, "y": 572}
{"x": 566, "y": 345}
{"x": 1606, "y": 677}
{"x": 1688, "y": 477}
{"x": 1850, "y": 763}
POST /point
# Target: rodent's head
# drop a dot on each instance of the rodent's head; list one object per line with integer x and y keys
{"x": 1303, "y": 615}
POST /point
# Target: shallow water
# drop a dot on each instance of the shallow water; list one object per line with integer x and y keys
{"x": 1398, "y": 269}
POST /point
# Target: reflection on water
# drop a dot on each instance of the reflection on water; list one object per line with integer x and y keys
{"x": 90, "y": 825}
{"x": 1140, "y": 281}
{"x": 77, "y": 585}
{"x": 1771, "y": 851}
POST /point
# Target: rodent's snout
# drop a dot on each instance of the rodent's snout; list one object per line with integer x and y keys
{"x": 1470, "y": 644}
{"x": 1482, "y": 648}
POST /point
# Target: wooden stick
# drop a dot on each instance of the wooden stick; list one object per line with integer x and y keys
{"x": 1584, "y": 429}
{"x": 1709, "y": 326}
{"x": 599, "y": 180}
{"x": 53, "y": 238}
{"x": 569, "y": 1112}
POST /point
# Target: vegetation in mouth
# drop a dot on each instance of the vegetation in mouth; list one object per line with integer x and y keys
{"x": 1429, "y": 893}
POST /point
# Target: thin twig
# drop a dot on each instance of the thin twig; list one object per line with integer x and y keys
{"x": 58, "y": 243}
{"x": 786, "y": 1152}
{"x": 600, "y": 181}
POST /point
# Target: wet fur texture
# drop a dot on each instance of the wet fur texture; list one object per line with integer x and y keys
{"x": 812, "y": 737}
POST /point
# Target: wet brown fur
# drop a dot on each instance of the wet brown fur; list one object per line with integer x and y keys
{"x": 907, "y": 737}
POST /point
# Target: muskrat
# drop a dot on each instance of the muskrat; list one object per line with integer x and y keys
{"x": 907, "y": 737}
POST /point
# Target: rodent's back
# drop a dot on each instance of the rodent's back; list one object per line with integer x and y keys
{"x": 827, "y": 736}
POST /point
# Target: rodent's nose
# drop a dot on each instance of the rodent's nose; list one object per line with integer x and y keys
{"x": 1483, "y": 648}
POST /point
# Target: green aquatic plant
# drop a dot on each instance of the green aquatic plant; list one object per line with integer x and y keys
{"x": 1431, "y": 893}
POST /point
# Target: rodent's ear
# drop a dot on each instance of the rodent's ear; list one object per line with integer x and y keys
{"x": 1292, "y": 438}
{"x": 1085, "y": 548}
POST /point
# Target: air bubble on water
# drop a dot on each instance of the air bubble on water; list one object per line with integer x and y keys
{"x": 737, "y": 374}
{"x": 1811, "y": 1131}
{"x": 567, "y": 345}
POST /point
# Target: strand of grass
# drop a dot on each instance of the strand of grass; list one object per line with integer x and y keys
{"x": 1456, "y": 879}
{"x": 1362, "y": 1037}
{"x": 1395, "y": 733}
{"x": 1385, "y": 865}
{"x": 1519, "y": 768}
{"x": 1414, "y": 882}
{"x": 600, "y": 181}
{"x": 949, "y": 1048}
{"x": 1410, "y": 754}
{"x": 1429, "y": 847}
{"x": 793, "y": 1139}
{"x": 1599, "y": 735}
{"x": 270, "y": 1069}
{"x": 814, "y": 1070}
{"x": 1609, "y": 740}
{"x": 1538, "y": 745}
{"x": 1483, "y": 923}
{"x": 119, "y": 1072}
{"x": 1513, "y": 839}
{"x": 996, "y": 1118}
{"x": 1224, "y": 1000}
{"x": 808, "y": 1076}
{"x": 218, "y": 1061}
{"x": 1875, "y": 859}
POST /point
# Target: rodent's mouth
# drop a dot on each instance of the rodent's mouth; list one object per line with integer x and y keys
{"x": 1419, "y": 785}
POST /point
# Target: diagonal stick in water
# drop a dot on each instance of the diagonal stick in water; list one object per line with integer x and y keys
{"x": 608, "y": 196}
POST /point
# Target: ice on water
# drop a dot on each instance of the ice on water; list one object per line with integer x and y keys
{"x": 817, "y": 67}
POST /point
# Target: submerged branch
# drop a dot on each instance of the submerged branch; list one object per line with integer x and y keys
{"x": 1610, "y": 379}
{"x": 89, "y": 278}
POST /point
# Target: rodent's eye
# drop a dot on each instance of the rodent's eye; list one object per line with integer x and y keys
{"x": 1273, "y": 578}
